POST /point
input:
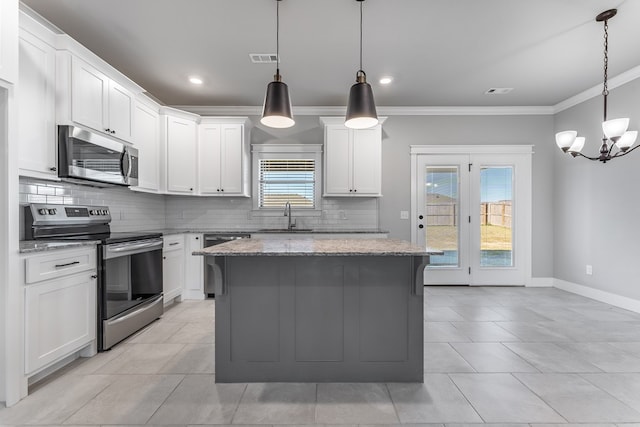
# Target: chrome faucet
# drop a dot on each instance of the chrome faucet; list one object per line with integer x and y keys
{"x": 287, "y": 212}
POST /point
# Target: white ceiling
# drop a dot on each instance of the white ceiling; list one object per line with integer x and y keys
{"x": 440, "y": 52}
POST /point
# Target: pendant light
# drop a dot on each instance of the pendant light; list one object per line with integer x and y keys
{"x": 361, "y": 108}
{"x": 276, "y": 112}
{"x": 614, "y": 130}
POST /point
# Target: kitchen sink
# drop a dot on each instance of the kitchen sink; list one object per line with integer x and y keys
{"x": 285, "y": 230}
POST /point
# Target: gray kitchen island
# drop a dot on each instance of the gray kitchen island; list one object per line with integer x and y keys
{"x": 306, "y": 310}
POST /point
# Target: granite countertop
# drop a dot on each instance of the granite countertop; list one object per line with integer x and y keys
{"x": 171, "y": 231}
{"x": 314, "y": 247}
{"x": 30, "y": 246}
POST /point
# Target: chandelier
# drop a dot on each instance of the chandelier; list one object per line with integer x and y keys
{"x": 617, "y": 140}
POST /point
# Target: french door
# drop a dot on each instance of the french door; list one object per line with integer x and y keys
{"x": 476, "y": 208}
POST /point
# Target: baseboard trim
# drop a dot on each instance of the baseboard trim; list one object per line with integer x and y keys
{"x": 540, "y": 282}
{"x": 598, "y": 295}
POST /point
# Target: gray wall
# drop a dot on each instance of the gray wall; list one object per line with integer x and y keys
{"x": 596, "y": 205}
{"x": 399, "y": 132}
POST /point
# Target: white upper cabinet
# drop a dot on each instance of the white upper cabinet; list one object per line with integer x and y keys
{"x": 36, "y": 107}
{"x": 223, "y": 157}
{"x": 180, "y": 137}
{"x": 9, "y": 40}
{"x": 352, "y": 160}
{"x": 100, "y": 103}
{"x": 146, "y": 134}
{"x": 91, "y": 98}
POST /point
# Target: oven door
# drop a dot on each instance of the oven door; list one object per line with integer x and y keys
{"x": 131, "y": 285}
{"x": 88, "y": 156}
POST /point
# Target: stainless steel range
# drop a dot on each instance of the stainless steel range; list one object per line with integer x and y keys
{"x": 129, "y": 265}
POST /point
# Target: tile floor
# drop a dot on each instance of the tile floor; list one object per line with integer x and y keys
{"x": 496, "y": 356}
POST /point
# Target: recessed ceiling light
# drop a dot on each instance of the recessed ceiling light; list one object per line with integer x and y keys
{"x": 195, "y": 80}
{"x": 386, "y": 80}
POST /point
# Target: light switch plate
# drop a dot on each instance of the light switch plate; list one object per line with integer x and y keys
{"x": 404, "y": 214}
{"x": 589, "y": 270}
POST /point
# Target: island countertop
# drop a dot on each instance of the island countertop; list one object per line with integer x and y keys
{"x": 317, "y": 247}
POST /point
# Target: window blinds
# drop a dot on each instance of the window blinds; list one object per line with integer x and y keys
{"x": 287, "y": 180}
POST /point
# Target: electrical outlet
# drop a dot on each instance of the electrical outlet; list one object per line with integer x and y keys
{"x": 589, "y": 270}
{"x": 404, "y": 214}
{"x": 342, "y": 214}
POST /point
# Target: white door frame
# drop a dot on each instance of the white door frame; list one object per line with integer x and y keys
{"x": 525, "y": 198}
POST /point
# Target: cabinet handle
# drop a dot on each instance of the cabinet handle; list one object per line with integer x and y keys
{"x": 217, "y": 189}
{"x": 108, "y": 130}
{"x": 94, "y": 276}
{"x": 355, "y": 191}
{"x": 174, "y": 243}
{"x": 67, "y": 264}
{"x": 420, "y": 217}
{"x": 164, "y": 257}
{"x": 197, "y": 238}
{"x": 421, "y": 226}
{"x": 191, "y": 189}
{"x": 113, "y": 131}
{"x": 350, "y": 190}
{"x": 53, "y": 169}
{"x": 222, "y": 189}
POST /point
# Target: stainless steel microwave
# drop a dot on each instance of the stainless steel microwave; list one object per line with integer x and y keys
{"x": 89, "y": 158}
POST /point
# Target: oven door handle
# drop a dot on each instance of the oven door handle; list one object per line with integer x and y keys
{"x": 124, "y": 249}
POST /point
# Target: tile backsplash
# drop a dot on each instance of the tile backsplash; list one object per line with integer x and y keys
{"x": 135, "y": 211}
{"x": 130, "y": 210}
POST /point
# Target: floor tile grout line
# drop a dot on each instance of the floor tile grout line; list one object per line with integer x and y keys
{"x": 393, "y": 404}
{"x": 166, "y": 398}
{"x": 582, "y": 375}
{"x": 466, "y": 361}
{"x": 235, "y": 411}
{"x": 465, "y": 398}
{"x": 109, "y": 384}
{"x": 540, "y": 397}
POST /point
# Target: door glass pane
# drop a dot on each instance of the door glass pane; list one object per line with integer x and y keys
{"x": 496, "y": 207}
{"x": 442, "y": 214}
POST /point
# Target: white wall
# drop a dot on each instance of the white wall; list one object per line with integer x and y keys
{"x": 596, "y": 205}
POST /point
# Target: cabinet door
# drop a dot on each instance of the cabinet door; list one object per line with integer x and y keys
{"x": 9, "y": 40}
{"x": 194, "y": 268}
{"x": 89, "y": 93}
{"x": 173, "y": 273}
{"x": 60, "y": 318}
{"x": 231, "y": 170}
{"x": 181, "y": 155}
{"x": 120, "y": 112}
{"x": 146, "y": 136}
{"x": 366, "y": 161}
{"x": 337, "y": 173}
{"x": 36, "y": 107}
{"x": 209, "y": 159}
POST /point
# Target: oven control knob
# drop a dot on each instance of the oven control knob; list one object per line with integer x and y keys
{"x": 52, "y": 211}
{"x": 101, "y": 211}
{"x": 106, "y": 211}
{"x": 43, "y": 211}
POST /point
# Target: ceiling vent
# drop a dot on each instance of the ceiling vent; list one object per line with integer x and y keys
{"x": 498, "y": 90}
{"x": 263, "y": 58}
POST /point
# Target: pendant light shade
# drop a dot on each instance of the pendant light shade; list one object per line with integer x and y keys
{"x": 276, "y": 110}
{"x": 361, "y": 108}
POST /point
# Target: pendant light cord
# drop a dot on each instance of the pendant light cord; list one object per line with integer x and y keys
{"x": 361, "y": 1}
{"x": 277, "y": 37}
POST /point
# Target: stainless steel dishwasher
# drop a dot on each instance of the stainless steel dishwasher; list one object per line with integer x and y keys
{"x": 212, "y": 240}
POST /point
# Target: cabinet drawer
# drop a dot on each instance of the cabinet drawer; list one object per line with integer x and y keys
{"x": 173, "y": 242}
{"x": 58, "y": 264}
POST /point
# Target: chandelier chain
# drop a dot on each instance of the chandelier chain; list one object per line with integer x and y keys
{"x": 605, "y": 88}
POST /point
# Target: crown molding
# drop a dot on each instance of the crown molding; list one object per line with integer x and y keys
{"x": 595, "y": 91}
{"x": 382, "y": 110}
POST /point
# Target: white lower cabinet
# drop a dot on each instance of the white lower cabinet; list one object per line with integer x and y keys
{"x": 59, "y": 307}
{"x": 194, "y": 268}
{"x": 173, "y": 267}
